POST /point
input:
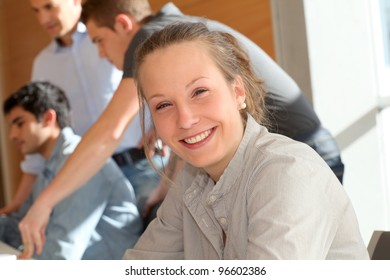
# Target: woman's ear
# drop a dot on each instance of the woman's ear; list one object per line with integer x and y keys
{"x": 239, "y": 90}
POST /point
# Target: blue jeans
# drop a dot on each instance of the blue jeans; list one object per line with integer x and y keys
{"x": 144, "y": 180}
{"x": 9, "y": 231}
{"x": 325, "y": 145}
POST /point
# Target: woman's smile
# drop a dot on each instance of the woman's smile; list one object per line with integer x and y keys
{"x": 198, "y": 138}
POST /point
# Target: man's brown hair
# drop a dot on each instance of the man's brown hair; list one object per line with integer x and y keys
{"x": 104, "y": 12}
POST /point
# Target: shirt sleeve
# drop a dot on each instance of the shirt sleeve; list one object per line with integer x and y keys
{"x": 33, "y": 164}
{"x": 281, "y": 220}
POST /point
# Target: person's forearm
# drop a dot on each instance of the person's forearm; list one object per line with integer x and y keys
{"x": 88, "y": 157}
{"x": 97, "y": 145}
{"x": 22, "y": 193}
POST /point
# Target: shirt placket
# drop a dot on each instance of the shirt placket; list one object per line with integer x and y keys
{"x": 200, "y": 207}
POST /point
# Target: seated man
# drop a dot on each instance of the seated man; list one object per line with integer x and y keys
{"x": 100, "y": 220}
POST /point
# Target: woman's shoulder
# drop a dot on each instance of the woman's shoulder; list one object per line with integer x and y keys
{"x": 262, "y": 147}
{"x": 269, "y": 155}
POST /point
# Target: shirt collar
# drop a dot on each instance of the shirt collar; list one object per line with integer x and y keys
{"x": 63, "y": 140}
{"x": 235, "y": 167}
{"x": 81, "y": 31}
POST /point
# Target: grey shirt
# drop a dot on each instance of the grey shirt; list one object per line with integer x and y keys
{"x": 277, "y": 199}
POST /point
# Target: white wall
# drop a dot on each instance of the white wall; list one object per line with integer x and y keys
{"x": 345, "y": 87}
{"x": 290, "y": 41}
{"x": 346, "y": 82}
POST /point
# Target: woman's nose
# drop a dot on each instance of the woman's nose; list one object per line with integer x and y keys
{"x": 187, "y": 117}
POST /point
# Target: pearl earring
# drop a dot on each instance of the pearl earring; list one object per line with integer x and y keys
{"x": 243, "y": 105}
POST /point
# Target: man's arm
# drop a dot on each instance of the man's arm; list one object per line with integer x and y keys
{"x": 22, "y": 193}
{"x": 96, "y": 146}
{"x": 74, "y": 220}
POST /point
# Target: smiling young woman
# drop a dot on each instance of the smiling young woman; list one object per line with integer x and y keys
{"x": 195, "y": 111}
{"x": 244, "y": 193}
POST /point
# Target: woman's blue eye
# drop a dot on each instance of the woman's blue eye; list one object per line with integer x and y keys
{"x": 199, "y": 91}
{"x": 162, "y": 105}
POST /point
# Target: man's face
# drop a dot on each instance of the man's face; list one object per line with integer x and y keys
{"x": 57, "y": 17}
{"x": 112, "y": 44}
{"x": 26, "y": 131}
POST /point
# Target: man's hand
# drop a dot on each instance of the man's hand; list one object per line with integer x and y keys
{"x": 154, "y": 145}
{"x": 32, "y": 229}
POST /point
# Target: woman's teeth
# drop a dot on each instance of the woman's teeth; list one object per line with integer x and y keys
{"x": 198, "y": 138}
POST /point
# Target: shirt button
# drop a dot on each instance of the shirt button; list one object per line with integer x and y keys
{"x": 223, "y": 221}
{"x": 212, "y": 198}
